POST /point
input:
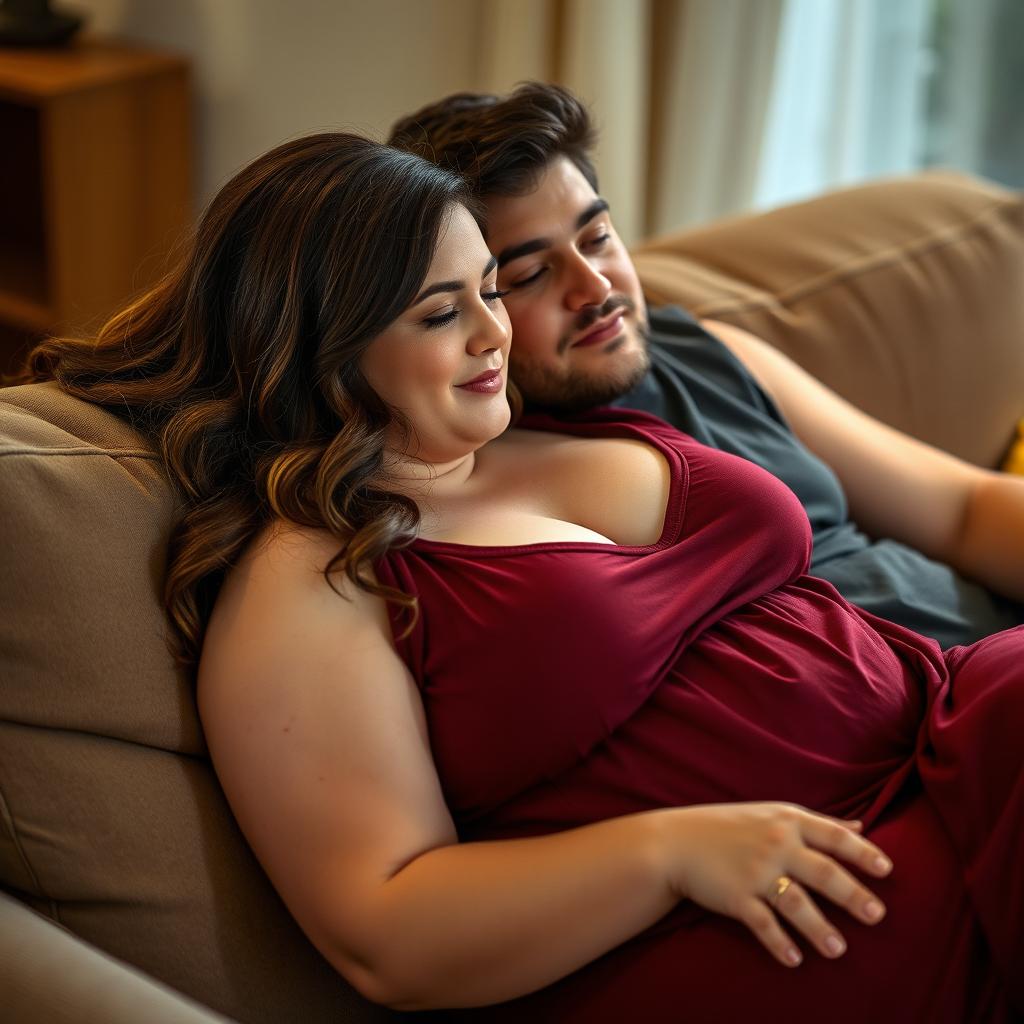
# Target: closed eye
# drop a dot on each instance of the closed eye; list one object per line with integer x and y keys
{"x": 528, "y": 280}
{"x": 441, "y": 319}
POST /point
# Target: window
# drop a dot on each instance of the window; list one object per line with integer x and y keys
{"x": 975, "y": 100}
{"x": 867, "y": 88}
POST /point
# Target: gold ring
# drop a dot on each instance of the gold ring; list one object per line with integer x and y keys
{"x": 782, "y": 883}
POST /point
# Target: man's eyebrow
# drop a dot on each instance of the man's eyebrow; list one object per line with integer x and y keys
{"x": 451, "y": 286}
{"x": 596, "y": 207}
{"x": 515, "y": 252}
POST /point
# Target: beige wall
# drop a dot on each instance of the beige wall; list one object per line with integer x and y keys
{"x": 267, "y": 70}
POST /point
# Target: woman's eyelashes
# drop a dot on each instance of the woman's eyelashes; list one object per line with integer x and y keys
{"x": 451, "y": 315}
{"x": 441, "y": 319}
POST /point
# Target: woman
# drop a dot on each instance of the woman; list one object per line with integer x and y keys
{"x": 587, "y": 646}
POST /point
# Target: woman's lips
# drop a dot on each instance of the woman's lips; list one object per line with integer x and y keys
{"x": 486, "y": 384}
{"x": 610, "y": 330}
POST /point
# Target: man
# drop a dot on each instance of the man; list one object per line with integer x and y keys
{"x": 582, "y": 336}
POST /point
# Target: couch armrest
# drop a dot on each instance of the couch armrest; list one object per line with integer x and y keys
{"x": 50, "y": 976}
{"x": 904, "y": 295}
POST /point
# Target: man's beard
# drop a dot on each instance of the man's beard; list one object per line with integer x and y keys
{"x": 548, "y": 390}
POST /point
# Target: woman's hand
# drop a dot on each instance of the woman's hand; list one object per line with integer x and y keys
{"x": 756, "y": 862}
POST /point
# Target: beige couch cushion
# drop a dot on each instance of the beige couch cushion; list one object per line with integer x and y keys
{"x": 48, "y": 975}
{"x": 111, "y": 819}
{"x": 906, "y": 296}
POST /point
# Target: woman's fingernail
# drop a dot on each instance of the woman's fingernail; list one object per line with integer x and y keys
{"x": 793, "y": 956}
{"x": 873, "y": 909}
{"x": 835, "y": 945}
{"x": 883, "y": 863}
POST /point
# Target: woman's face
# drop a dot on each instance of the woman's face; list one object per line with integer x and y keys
{"x": 442, "y": 363}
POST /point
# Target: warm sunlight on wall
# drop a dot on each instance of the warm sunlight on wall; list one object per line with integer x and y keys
{"x": 267, "y": 70}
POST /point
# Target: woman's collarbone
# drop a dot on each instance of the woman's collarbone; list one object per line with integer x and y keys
{"x": 538, "y": 493}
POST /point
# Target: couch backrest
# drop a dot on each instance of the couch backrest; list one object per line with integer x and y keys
{"x": 111, "y": 819}
{"x": 904, "y": 295}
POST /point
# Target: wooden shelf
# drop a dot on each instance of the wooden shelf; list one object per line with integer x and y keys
{"x": 30, "y": 74}
{"x": 25, "y": 315}
{"x": 95, "y": 181}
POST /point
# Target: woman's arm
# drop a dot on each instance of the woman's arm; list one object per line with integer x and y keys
{"x": 484, "y": 922}
{"x": 896, "y": 486}
{"x": 318, "y": 736}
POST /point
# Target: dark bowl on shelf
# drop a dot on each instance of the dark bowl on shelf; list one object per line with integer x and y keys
{"x": 32, "y": 23}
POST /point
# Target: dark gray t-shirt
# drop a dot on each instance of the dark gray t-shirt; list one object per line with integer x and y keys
{"x": 699, "y": 386}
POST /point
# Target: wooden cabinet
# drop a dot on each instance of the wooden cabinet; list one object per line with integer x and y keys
{"x": 95, "y": 182}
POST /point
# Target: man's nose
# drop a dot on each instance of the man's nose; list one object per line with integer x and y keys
{"x": 587, "y": 286}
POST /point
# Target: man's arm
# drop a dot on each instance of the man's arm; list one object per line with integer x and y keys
{"x": 970, "y": 518}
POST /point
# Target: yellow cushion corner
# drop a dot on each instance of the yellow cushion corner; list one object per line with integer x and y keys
{"x": 1014, "y": 462}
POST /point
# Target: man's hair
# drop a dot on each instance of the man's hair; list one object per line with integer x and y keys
{"x": 501, "y": 145}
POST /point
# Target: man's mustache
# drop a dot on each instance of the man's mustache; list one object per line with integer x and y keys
{"x": 592, "y": 314}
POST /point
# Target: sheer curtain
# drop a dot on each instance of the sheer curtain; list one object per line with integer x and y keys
{"x": 601, "y": 50}
{"x": 847, "y": 99}
{"x": 718, "y": 62}
{"x": 712, "y": 107}
{"x": 677, "y": 88}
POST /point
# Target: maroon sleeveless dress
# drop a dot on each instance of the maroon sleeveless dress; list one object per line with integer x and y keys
{"x": 569, "y": 682}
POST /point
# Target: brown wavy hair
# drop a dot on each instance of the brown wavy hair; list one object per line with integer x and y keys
{"x": 501, "y": 144}
{"x": 242, "y": 365}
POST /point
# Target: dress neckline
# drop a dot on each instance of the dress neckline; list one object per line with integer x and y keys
{"x": 600, "y": 427}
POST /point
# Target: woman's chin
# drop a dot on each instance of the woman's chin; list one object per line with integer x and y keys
{"x": 474, "y": 436}
{"x": 488, "y": 423}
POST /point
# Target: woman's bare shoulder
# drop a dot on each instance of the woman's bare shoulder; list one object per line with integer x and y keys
{"x": 277, "y": 592}
{"x": 288, "y": 548}
{"x": 288, "y": 562}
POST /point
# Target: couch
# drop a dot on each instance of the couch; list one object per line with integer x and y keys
{"x": 127, "y": 892}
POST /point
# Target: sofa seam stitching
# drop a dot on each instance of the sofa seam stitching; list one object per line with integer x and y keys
{"x": 126, "y": 454}
{"x": 92, "y": 734}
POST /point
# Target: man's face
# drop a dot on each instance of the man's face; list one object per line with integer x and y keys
{"x": 578, "y": 318}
